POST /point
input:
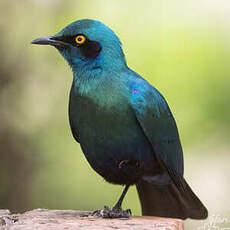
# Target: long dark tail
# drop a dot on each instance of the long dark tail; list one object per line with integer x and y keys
{"x": 170, "y": 201}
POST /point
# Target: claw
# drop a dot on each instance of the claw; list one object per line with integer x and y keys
{"x": 114, "y": 213}
{"x": 129, "y": 211}
{"x": 97, "y": 213}
{"x": 122, "y": 163}
{"x": 131, "y": 162}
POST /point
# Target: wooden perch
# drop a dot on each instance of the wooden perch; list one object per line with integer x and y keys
{"x": 44, "y": 219}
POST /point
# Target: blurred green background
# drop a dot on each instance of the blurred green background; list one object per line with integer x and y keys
{"x": 181, "y": 47}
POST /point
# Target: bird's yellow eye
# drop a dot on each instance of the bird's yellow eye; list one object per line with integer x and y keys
{"x": 80, "y": 39}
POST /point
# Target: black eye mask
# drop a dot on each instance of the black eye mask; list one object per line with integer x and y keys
{"x": 89, "y": 49}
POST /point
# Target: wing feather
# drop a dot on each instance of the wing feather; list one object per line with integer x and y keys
{"x": 157, "y": 122}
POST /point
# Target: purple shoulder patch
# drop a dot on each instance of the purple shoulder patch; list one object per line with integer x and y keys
{"x": 135, "y": 91}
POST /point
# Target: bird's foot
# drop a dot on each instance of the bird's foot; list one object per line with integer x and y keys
{"x": 112, "y": 213}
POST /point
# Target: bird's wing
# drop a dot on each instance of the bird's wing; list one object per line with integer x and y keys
{"x": 156, "y": 120}
{"x": 72, "y": 113}
{"x": 175, "y": 199}
{"x": 74, "y": 132}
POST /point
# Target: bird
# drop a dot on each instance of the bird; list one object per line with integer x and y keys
{"x": 123, "y": 124}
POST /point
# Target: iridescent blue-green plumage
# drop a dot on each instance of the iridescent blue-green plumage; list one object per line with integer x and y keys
{"x": 123, "y": 124}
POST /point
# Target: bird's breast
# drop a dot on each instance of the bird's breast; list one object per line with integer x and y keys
{"x": 108, "y": 134}
{"x": 100, "y": 121}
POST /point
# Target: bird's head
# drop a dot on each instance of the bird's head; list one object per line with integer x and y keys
{"x": 87, "y": 44}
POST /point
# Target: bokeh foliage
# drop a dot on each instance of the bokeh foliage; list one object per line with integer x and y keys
{"x": 181, "y": 47}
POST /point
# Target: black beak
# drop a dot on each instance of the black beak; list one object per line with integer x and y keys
{"x": 50, "y": 40}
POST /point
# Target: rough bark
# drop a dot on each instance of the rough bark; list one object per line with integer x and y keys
{"x": 43, "y": 219}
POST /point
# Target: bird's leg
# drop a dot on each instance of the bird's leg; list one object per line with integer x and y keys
{"x": 116, "y": 211}
{"x": 119, "y": 202}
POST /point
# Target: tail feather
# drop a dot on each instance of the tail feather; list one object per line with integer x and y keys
{"x": 170, "y": 201}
